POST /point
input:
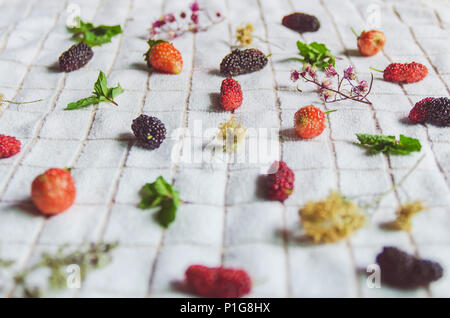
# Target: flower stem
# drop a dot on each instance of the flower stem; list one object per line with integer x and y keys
{"x": 374, "y": 69}
{"x": 354, "y": 32}
{"x": 330, "y": 111}
{"x": 20, "y": 103}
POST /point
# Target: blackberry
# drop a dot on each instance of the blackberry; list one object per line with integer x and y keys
{"x": 405, "y": 271}
{"x": 76, "y": 57}
{"x": 149, "y": 131}
{"x": 301, "y": 22}
{"x": 438, "y": 111}
{"x": 242, "y": 62}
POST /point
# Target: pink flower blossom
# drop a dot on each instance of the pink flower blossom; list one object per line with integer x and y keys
{"x": 349, "y": 73}
{"x": 330, "y": 71}
{"x": 194, "y": 6}
{"x": 295, "y": 75}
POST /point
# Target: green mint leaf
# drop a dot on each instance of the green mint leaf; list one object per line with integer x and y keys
{"x": 94, "y": 36}
{"x": 100, "y": 87}
{"x": 101, "y": 94}
{"x": 160, "y": 194}
{"x": 113, "y": 92}
{"x": 83, "y": 103}
{"x": 316, "y": 54}
{"x": 388, "y": 144}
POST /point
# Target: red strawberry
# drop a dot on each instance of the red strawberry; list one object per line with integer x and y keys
{"x": 370, "y": 42}
{"x": 309, "y": 122}
{"x": 218, "y": 281}
{"x": 230, "y": 94}
{"x": 9, "y": 146}
{"x": 53, "y": 191}
{"x": 404, "y": 73}
{"x": 418, "y": 114}
{"x": 164, "y": 57}
{"x": 280, "y": 184}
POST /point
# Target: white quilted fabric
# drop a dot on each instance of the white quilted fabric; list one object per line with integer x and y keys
{"x": 226, "y": 221}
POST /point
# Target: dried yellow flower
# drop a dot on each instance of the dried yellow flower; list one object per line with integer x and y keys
{"x": 331, "y": 219}
{"x": 232, "y": 134}
{"x": 404, "y": 216}
{"x": 244, "y": 34}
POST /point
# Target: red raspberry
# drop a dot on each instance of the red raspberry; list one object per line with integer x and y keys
{"x": 405, "y": 73}
{"x": 281, "y": 183}
{"x": 230, "y": 94}
{"x": 418, "y": 114}
{"x": 218, "y": 281}
{"x": 309, "y": 122}
{"x": 53, "y": 191}
{"x": 201, "y": 279}
{"x": 9, "y": 146}
{"x": 232, "y": 283}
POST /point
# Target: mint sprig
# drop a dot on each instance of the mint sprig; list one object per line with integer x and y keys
{"x": 101, "y": 94}
{"x": 316, "y": 54}
{"x": 161, "y": 194}
{"x": 94, "y": 36}
{"x": 388, "y": 144}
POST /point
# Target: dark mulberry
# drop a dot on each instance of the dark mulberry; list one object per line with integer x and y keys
{"x": 301, "y": 22}
{"x": 76, "y": 57}
{"x": 242, "y": 62}
{"x": 438, "y": 111}
{"x": 405, "y": 271}
{"x": 149, "y": 131}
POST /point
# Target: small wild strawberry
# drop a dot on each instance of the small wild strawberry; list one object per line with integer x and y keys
{"x": 309, "y": 121}
{"x": 164, "y": 57}
{"x": 230, "y": 94}
{"x": 280, "y": 184}
{"x": 404, "y": 73}
{"x": 370, "y": 42}
{"x": 53, "y": 191}
{"x": 9, "y": 146}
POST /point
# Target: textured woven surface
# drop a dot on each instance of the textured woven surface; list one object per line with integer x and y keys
{"x": 227, "y": 222}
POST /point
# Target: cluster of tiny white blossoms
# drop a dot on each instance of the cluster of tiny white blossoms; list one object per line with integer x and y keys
{"x": 196, "y": 19}
{"x": 347, "y": 85}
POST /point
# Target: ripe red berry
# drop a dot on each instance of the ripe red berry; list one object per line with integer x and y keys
{"x": 405, "y": 73}
{"x": 218, "y": 281}
{"x": 9, "y": 146}
{"x": 280, "y": 184}
{"x": 418, "y": 114}
{"x": 309, "y": 122}
{"x": 164, "y": 57}
{"x": 230, "y": 94}
{"x": 371, "y": 42}
{"x": 53, "y": 191}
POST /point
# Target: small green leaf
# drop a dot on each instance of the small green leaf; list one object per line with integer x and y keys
{"x": 160, "y": 194}
{"x": 379, "y": 143}
{"x": 316, "y": 54}
{"x": 101, "y": 94}
{"x": 100, "y": 86}
{"x": 94, "y": 36}
{"x": 83, "y": 103}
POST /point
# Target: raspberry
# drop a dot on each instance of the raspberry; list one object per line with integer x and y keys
{"x": 438, "y": 111}
{"x": 149, "y": 131}
{"x": 280, "y": 184}
{"x": 230, "y": 94}
{"x": 9, "y": 146}
{"x": 201, "y": 279}
{"x": 76, "y": 57}
{"x": 418, "y": 113}
{"x": 218, "y": 281}
{"x": 405, "y": 73}
{"x": 53, "y": 191}
{"x": 402, "y": 270}
{"x": 301, "y": 22}
{"x": 242, "y": 62}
